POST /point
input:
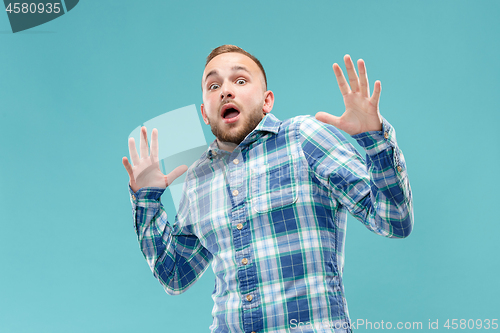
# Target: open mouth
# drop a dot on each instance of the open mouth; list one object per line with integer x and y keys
{"x": 230, "y": 112}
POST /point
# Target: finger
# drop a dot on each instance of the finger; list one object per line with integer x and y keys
{"x": 144, "y": 142}
{"x": 364, "y": 87}
{"x": 154, "y": 144}
{"x": 169, "y": 179}
{"x": 343, "y": 86}
{"x": 132, "y": 150}
{"x": 376, "y": 93}
{"x": 351, "y": 72}
{"x": 128, "y": 167}
{"x": 328, "y": 118}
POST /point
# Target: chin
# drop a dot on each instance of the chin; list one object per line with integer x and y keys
{"x": 236, "y": 132}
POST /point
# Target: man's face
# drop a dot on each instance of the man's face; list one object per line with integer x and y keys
{"x": 234, "y": 96}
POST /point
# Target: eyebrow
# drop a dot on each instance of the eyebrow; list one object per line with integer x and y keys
{"x": 234, "y": 69}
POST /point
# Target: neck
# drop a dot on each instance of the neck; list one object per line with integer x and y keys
{"x": 227, "y": 146}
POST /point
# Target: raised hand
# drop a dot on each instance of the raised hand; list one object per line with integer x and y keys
{"x": 361, "y": 111}
{"x": 146, "y": 170}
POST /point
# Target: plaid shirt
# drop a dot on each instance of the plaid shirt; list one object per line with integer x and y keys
{"x": 271, "y": 218}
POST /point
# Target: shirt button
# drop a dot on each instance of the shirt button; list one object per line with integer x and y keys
{"x": 244, "y": 261}
{"x": 235, "y": 192}
{"x": 239, "y": 226}
{"x": 386, "y": 135}
{"x": 400, "y": 168}
{"x": 235, "y": 161}
{"x": 133, "y": 197}
{"x": 249, "y": 298}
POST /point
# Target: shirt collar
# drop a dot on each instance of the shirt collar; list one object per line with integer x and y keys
{"x": 268, "y": 124}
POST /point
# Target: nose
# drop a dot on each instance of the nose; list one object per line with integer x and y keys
{"x": 226, "y": 92}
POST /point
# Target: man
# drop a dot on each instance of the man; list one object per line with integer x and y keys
{"x": 266, "y": 204}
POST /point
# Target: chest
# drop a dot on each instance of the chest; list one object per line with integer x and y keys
{"x": 245, "y": 190}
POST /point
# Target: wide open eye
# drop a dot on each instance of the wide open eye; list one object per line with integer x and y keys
{"x": 241, "y": 81}
{"x": 213, "y": 86}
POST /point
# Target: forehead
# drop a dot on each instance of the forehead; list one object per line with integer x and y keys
{"x": 228, "y": 62}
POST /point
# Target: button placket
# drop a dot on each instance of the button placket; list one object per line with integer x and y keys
{"x": 236, "y": 176}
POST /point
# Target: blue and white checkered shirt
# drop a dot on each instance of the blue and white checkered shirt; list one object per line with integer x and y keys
{"x": 271, "y": 218}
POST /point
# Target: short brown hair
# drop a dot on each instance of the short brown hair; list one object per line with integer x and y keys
{"x": 233, "y": 48}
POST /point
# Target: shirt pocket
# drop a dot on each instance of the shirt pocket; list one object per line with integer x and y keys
{"x": 274, "y": 186}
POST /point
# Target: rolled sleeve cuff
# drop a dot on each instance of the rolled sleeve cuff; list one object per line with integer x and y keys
{"x": 374, "y": 142}
{"x": 145, "y": 194}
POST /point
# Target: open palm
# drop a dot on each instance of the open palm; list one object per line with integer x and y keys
{"x": 361, "y": 111}
{"x": 146, "y": 169}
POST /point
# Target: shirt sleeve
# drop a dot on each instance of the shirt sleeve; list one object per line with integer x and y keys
{"x": 174, "y": 254}
{"x": 376, "y": 191}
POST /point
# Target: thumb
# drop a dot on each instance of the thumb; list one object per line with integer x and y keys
{"x": 328, "y": 118}
{"x": 169, "y": 179}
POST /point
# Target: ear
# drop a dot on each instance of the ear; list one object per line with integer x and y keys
{"x": 268, "y": 101}
{"x": 204, "y": 115}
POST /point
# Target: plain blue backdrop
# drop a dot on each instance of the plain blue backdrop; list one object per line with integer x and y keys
{"x": 73, "y": 89}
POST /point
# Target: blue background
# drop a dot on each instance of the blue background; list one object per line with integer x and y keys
{"x": 73, "y": 89}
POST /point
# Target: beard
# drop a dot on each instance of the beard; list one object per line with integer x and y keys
{"x": 238, "y": 136}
